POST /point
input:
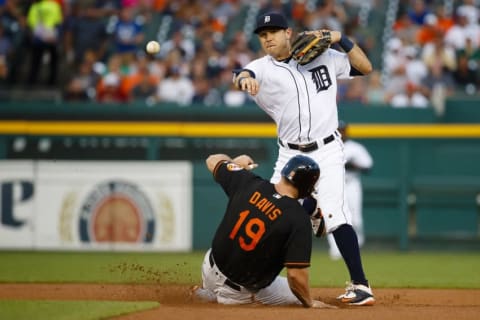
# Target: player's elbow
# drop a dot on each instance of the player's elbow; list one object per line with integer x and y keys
{"x": 368, "y": 68}
{"x": 361, "y": 69}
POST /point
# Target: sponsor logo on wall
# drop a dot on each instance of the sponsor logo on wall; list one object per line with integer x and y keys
{"x": 97, "y": 205}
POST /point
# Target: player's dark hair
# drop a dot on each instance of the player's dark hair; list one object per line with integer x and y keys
{"x": 302, "y": 172}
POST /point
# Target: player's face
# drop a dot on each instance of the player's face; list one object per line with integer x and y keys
{"x": 276, "y": 42}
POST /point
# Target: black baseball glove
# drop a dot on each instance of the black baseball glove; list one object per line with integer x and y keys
{"x": 308, "y": 46}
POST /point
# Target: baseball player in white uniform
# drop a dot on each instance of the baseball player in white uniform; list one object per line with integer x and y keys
{"x": 357, "y": 161}
{"x": 301, "y": 99}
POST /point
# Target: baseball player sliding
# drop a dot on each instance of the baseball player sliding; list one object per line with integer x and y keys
{"x": 296, "y": 84}
{"x": 264, "y": 229}
{"x": 358, "y": 161}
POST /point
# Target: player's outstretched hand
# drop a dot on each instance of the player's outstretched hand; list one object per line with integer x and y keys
{"x": 248, "y": 84}
{"x": 245, "y": 161}
{"x": 322, "y": 305}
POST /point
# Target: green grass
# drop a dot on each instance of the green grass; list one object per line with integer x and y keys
{"x": 404, "y": 270}
{"x": 383, "y": 269}
{"x": 100, "y": 267}
{"x": 68, "y": 310}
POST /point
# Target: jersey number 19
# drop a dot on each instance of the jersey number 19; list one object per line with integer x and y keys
{"x": 254, "y": 229}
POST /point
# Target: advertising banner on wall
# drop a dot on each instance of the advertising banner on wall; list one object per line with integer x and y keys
{"x": 16, "y": 204}
{"x": 124, "y": 205}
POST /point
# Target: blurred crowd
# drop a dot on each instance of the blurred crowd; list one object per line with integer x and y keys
{"x": 94, "y": 50}
{"x": 434, "y": 53}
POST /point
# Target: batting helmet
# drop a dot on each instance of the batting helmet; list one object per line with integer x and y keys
{"x": 303, "y": 173}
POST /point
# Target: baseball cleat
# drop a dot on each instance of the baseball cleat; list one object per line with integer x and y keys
{"x": 357, "y": 295}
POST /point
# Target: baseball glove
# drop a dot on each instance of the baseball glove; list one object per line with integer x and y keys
{"x": 308, "y": 46}
{"x": 316, "y": 217}
{"x": 318, "y": 224}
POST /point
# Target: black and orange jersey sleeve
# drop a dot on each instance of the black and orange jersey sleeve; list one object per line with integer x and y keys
{"x": 231, "y": 176}
{"x": 299, "y": 245}
{"x": 299, "y": 265}
{"x": 217, "y": 166}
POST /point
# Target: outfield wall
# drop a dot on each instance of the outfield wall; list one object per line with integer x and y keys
{"x": 96, "y": 205}
{"x": 425, "y": 183}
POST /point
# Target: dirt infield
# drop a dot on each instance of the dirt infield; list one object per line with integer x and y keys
{"x": 176, "y": 303}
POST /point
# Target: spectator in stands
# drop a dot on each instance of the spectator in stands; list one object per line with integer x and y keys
{"x": 85, "y": 30}
{"x": 415, "y": 68}
{"x": 213, "y": 57}
{"x": 355, "y": 91}
{"x": 426, "y": 33}
{"x": 180, "y": 43}
{"x": 394, "y": 63}
{"x": 5, "y": 50}
{"x": 299, "y": 10}
{"x": 13, "y": 18}
{"x": 175, "y": 88}
{"x": 125, "y": 69}
{"x": 375, "y": 91}
{"x": 221, "y": 12}
{"x": 438, "y": 84}
{"x": 145, "y": 89}
{"x": 82, "y": 86}
{"x": 128, "y": 35}
{"x": 437, "y": 52}
{"x": 466, "y": 75}
{"x": 45, "y": 20}
{"x": 204, "y": 86}
{"x": 328, "y": 15}
{"x": 444, "y": 20}
{"x": 3, "y": 71}
{"x": 188, "y": 12}
{"x": 412, "y": 97}
{"x": 404, "y": 27}
{"x": 418, "y": 11}
{"x": 238, "y": 50}
{"x": 107, "y": 8}
{"x": 141, "y": 85}
{"x": 462, "y": 30}
{"x": 110, "y": 90}
{"x": 202, "y": 91}
{"x": 276, "y": 6}
{"x": 471, "y": 10}
{"x": 116, "y": 64}
{"x": 472, "y": 52}
{"x": 234, "y": 98}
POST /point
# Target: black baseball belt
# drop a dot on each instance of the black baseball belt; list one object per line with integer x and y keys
{"x": 227, "y": 282}
{"x": 308, "y": 147}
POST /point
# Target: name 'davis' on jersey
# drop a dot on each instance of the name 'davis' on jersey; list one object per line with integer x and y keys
{"x": 321, "y": 78}
{"x": 267, "y": 207}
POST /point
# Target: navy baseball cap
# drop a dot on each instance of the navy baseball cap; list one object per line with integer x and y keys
{"x": 272, "y": 20}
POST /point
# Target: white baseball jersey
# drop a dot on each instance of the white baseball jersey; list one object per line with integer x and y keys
{"x": 356, "y": 154}
{"x": 302, "y": 100}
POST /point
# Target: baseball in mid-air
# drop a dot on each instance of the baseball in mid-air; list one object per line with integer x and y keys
{"x": 152, "y": 47}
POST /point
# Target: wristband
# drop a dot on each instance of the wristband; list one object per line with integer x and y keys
{"x": 346, "y": 44}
